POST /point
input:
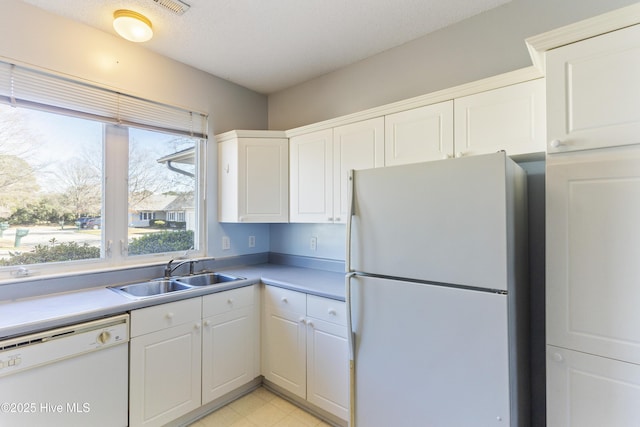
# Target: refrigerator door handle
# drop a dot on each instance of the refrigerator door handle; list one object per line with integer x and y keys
{"x": 351, "y": 344}
{"x": 350, "y": 213}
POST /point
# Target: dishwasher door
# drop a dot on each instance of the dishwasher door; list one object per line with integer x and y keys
{"x": 71, "y": 376}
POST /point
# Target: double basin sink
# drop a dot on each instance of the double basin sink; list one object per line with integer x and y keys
{"x": 174, "y": 284}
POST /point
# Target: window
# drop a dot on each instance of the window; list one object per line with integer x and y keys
{"x": 84, "y": 183}
{"x": 51, "y": 186}
{"x": 162, "y": 185}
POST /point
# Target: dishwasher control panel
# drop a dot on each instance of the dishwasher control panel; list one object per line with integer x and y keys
{"x": 29, "y": 351}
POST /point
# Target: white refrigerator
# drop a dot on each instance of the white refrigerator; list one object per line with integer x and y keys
{"x": 437, "y": 294}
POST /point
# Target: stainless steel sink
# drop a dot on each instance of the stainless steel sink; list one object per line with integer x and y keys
{"x": 206, "y": 279}
{"x": 150, "y": 289}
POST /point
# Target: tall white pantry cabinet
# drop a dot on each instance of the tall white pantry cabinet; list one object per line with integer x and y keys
{"x": 593, "y": 231}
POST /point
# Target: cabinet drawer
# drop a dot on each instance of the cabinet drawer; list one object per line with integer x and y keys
{"x": 223, "y": 302}
{"x": 284, "y": 299}
{"x": 326, "y": 309}
{"x": 163, "y": 316}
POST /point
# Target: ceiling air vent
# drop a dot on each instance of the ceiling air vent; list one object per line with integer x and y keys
{"x": 176, "y": 6}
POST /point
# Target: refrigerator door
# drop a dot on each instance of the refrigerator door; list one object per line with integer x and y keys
{"x": 442, "y": 221}
{"x": 428, "y": 355}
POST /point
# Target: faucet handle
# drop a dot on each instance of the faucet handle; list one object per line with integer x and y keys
{"x": 167, "y": 270}
{"x": 192, "y": 264}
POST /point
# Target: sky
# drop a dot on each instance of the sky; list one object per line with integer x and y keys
{"x": 57, "y": 139}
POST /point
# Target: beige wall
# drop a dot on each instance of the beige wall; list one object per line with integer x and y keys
{"x": 34, "y": 37}
{"x": 482, "y": 46}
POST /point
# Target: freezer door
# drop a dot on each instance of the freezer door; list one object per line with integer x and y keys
{"x": 444, "y": 221}
{"x": 428, "y": 355}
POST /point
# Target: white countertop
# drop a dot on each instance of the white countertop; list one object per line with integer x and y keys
{"x": 48, "y": 311}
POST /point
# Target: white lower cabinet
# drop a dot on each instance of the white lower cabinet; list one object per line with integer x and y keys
{"x": 305, "y": 348}
{"x": 584, "y": 390}
{"x": 164, "y": 366}
{"x": 284, "y": 334}
{"x": 327, "y": 356}
{"x": 187, "y": 353}
{"x": 230, "y": 356}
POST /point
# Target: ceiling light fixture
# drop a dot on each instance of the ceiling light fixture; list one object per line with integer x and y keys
{"x": 132, "y": 25}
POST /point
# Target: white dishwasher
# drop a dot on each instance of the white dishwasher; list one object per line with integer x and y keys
{"x": 70, "y": 376}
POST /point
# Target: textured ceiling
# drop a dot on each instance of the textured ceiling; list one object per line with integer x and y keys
{"x": 269, "y": 45}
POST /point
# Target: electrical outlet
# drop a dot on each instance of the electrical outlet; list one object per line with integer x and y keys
{"x": 252, "y": 241}
{"x": 313, "y": 244}
{"x": 226, "y": 243}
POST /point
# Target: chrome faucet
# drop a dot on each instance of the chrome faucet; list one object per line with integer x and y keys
{"x": 168, "y": 270}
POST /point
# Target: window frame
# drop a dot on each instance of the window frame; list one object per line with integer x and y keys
{"x": 115, "y": 213}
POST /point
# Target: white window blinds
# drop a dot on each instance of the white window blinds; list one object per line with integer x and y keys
{"x": 30, "y": 88}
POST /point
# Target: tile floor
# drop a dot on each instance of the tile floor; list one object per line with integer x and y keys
{"x": 260, "y": 408}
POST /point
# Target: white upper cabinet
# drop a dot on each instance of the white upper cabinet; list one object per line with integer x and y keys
{"x": 355, "y": 146}
{"x": 311, "y": 168}
{"x": 320, "y": 163}
{"x": 510, "y": 118}
{"x": 253, "y": 177}
{"x": 419, "y": 135}
{"x": 593, "y": 92}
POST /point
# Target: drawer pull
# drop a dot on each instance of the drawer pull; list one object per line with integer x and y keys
{"x": 207, "y": 323}
{"x": 169, "y": 316}
{"x": 310, "y": 323}
{"x": 556, "y": 143}
{"x": 332, "y": 312}
{"x": 230, "y": 301}
{"x": 303, "y": 320}
{"x": 284, "y": 300}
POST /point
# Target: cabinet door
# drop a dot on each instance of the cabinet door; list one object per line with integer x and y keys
{"x": 593, "y": 92}
{"x": 355, "y": 146}
{"x": 284, "y": 349}
{"x": 228, "y": 349}
{"x": 593, "y": 252}
{"x": 510, "y": 118}
{"x": 164, "y": 375}
{"x": 328, "y": 367}
{"x": 586, "y": 390}
{"x": 419, "y": 135}
{"x": 253, "y": 180}
{"x": 311, "y": 183}
{"x": 263, "y": 180}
